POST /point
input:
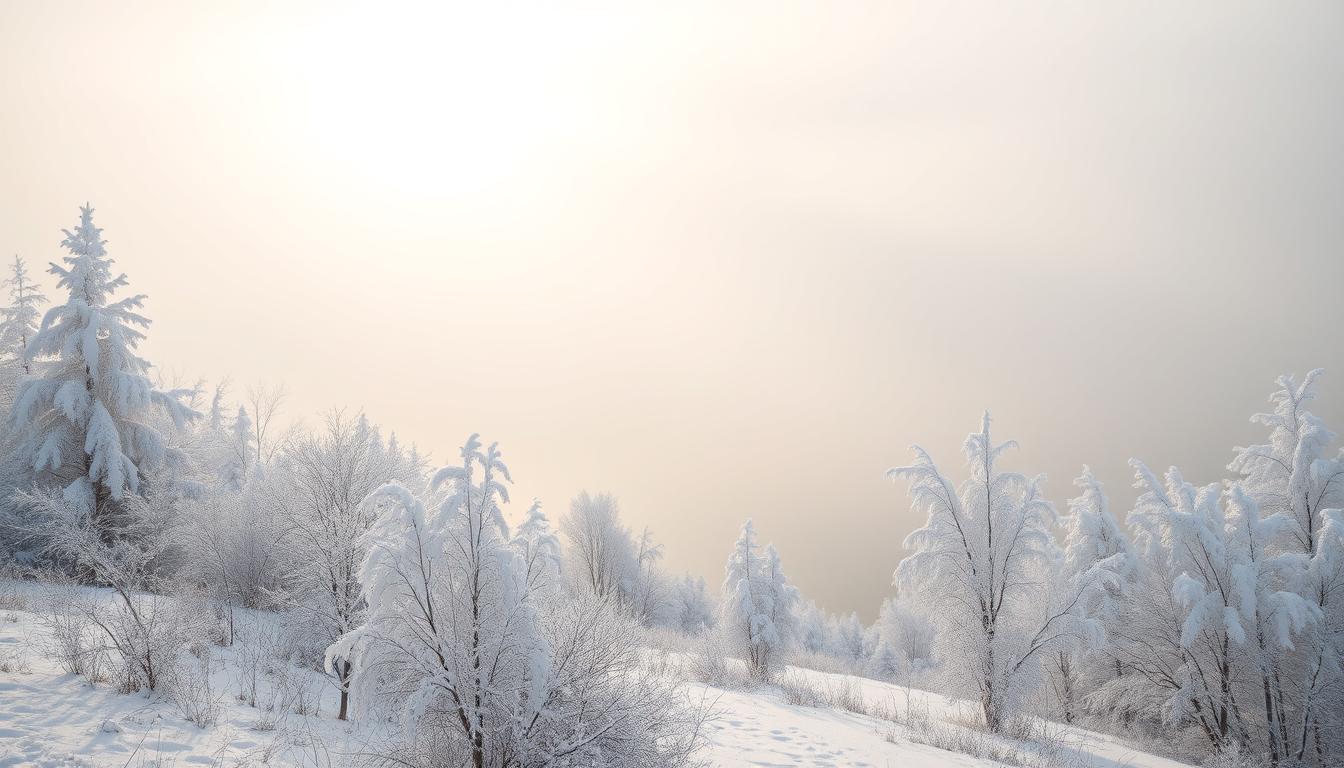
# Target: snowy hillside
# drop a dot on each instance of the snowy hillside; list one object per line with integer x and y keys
{"x": 51, "y": 718}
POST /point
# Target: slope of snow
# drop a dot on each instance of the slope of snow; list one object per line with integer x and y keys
{"x": 49, "y": 718}
{"x": 758, "y": 728}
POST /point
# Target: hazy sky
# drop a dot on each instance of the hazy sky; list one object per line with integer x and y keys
{"x": 724, "y": 260}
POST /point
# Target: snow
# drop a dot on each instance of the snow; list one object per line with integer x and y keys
{"x": 49, "y": 718}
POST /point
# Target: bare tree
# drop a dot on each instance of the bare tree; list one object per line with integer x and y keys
{"x": 328, "y": 476}
{"x": 265, "y": 403}
{"x": 600, "y": 551}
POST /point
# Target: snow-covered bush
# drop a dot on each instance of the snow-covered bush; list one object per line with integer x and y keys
{"x": 70, "y": 642}
{"x": 192, "y": 692}
{"x": 11, "y": 597}
{"x": 141, "y": 633}
{"x": 260, "y": 645}
{"x": 711, "y": 664}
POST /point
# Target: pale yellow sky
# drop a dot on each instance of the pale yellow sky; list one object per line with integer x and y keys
{"x": 721, "y": 259}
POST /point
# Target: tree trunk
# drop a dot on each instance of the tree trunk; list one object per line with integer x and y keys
{"x": 343, "y": 674}
{"x": 1269, "y": 721}
{"x": 1066, "y": 675}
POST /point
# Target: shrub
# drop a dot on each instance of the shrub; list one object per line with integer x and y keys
{"x": 189, "y": 688}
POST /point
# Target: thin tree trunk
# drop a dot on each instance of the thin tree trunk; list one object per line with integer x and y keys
{"x": 343, "y": 674}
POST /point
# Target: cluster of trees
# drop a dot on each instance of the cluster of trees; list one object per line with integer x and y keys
{"x": 407, "y": 587}
{"x": 605, "y": 558}
{"x": 467, "y": 636}
{"x": 1211, "y": 613}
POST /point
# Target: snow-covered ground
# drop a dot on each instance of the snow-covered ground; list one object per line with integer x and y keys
{"x": 50, "y": 718}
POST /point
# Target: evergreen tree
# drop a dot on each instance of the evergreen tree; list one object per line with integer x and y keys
{"x": 88, "y": 417}
{"x": 19, "y": 321}
{"x": 758, "y": 604}
{"x": 539, "y": 549}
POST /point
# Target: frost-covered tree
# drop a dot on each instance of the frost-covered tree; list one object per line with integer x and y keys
{"x": 784, "y": 598}
{"x": 243, "y": 457}
{"x": 19, "y": 320}
{"x": 539, "y": 549}
{"x": 645, "y": 589}
{"x": 603, "y": 557}
{"x": 1294, "y": 476}
{"x": 885, "y": 662}
{"x": 1208, "y": 547}
{"x": 458, "y": 645}
{"x": 1272, "y": 618}
{"x": 692, "y": 608}
{"x": 979, "y": 557}
{"x": 1096, "y": 550}
{"x": 448, "y": 626}
{"x": 848, "y": 638}
{"x": 326, "y": 478}
{"x": 600, "y": 551}
{"x": 909, "y": 634}
{"x": 1092, "y": 534}
{"x": 266, "y": 404}
{"x": 87, "y": 418}
{"x": 814, "y": 631}
{"x": 758, "y": 604}
{"x": 18, "y": 323}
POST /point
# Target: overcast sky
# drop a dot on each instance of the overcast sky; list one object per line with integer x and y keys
{"x": 724, "y": 260}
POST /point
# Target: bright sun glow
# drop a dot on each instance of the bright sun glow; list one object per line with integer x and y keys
{"x": 431, "y": 106}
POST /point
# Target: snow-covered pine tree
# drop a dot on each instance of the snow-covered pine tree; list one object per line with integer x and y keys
{"x": 979, "y": 555}
{"x": 784, "y": 598}
{"x": 240, "y": 463}
{"x": 848, "y": 638}
{"x": 814, "y": 635}
{"x": 86, "y": 417}
{"x": 757, "y": 604}
{"x": 216, "y": 420}
{"x": 19, "y": 321}
{"x": 539, "y": 549}
{"x": 884, "y": 663}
